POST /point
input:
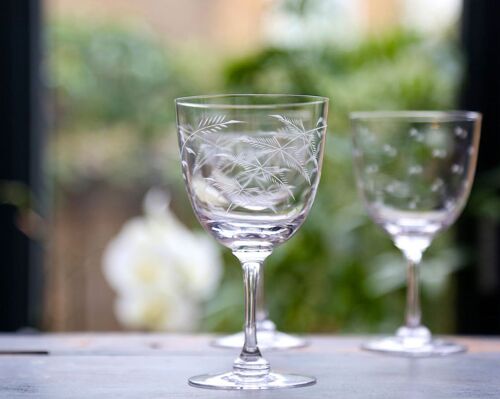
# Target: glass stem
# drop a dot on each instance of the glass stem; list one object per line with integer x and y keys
{"x": 250, "y": 363}
{"x": 251, "y": 272}
{"x": 413, "y": 249}
{"x": 413, "y": 312}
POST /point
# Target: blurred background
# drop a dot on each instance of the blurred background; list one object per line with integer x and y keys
{"x": 96, "y": 230}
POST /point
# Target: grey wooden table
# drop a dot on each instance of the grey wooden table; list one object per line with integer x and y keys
{"x": 157, "y": 366}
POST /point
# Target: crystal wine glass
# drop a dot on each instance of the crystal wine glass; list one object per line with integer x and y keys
{"x": 414, "y": 171}
{"x": 251, "y": 164}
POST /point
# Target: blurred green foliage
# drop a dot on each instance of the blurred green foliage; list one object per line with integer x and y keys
{"x": 108, "y": 75}
{"x": 113, "y": 89}
{"x": 340, "y": 272}
{"x": 485, "y": 201}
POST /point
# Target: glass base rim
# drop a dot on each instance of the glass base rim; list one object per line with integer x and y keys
{"x": 394, "y": 346}
{"x": 232, "y": 381}
{"x": 267, "y": 340}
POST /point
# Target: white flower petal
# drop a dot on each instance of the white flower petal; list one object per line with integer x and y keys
{"x": 161, "y": 270}
{"x": 156, "y": 311}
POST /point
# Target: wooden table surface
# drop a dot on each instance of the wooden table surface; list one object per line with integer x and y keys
{"x": 150, "y": 366}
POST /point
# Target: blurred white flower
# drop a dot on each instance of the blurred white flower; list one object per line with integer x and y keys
{"x": 157, "y": 311}
{"x": 161, "y": 271}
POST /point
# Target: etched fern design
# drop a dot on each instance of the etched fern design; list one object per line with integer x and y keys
{"x": 288, "y": 152}
{"x": 296, "y": 146}
{"x": 251, "y": 170}
{"x": 206, "y": 125}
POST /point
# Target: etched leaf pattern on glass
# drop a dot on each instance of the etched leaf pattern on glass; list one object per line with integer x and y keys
{"x": 256, "y": 170}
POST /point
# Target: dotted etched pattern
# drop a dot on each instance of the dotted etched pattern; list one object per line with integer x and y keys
{"x": 414, "y": 179}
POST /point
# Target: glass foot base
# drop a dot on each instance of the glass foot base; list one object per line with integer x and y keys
{"x": 267, "y": 340}
{"x": 399, "y": 347}
{"x": 233, "y": 381}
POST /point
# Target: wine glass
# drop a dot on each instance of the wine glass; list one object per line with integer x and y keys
{"x": 267, "y": 334}
{"x": 414, "y": 171}
{"x": 251, "y": 164}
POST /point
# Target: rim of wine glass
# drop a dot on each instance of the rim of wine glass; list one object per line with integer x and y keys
{"x": 206, "y": 101}
{"x": 422, "y": 116}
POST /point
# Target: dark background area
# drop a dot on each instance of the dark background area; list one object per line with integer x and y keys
{"x": 20, "y": 162}
{"x": 478, "y": 306}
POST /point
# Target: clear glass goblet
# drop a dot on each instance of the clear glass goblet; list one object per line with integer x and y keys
{"x": 414, "y": 171}
{"x": 251, "y": 165}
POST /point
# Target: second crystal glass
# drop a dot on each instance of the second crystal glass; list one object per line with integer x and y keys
{"x": 414, "y": 171}
{"x": 251, "y": 164}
